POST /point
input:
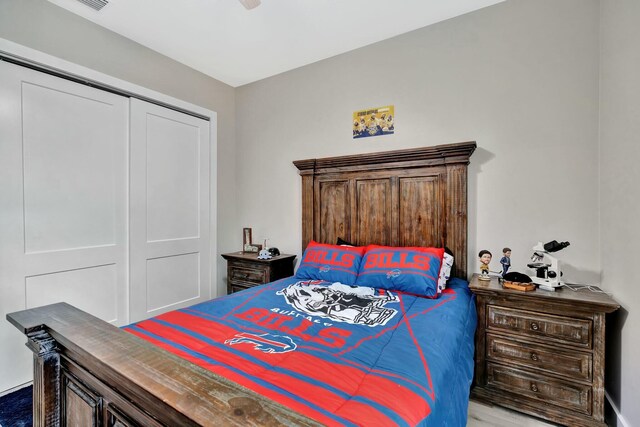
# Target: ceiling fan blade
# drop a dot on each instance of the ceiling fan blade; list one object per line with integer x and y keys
{"x": 250, "y": 4}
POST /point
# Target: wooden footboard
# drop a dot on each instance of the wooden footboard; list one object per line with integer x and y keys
{"x": 90, "y": 373}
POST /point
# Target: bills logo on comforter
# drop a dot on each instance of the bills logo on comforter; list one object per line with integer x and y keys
{"x": 341, "y": 303}
{"x": 343, "y": 355}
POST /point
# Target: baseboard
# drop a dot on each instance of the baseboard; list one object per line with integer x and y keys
{"x": 16, "y": 388}
{"x": 621, "y": 422}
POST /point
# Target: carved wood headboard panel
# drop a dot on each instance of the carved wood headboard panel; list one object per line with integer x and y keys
{"x": 414, "y": 197}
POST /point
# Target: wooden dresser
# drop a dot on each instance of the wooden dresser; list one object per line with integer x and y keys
{"x": 245, "y": 270}
{"x": 542, "y": 353}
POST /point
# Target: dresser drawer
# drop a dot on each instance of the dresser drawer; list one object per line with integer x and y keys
{"x": 238, "y": 274}
{"x": 571, "y": 364}
{"x": 564, "y": 394}
{"x": 559, "y": 329}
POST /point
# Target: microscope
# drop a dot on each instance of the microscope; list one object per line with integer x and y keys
{"x": 547, "y": 267}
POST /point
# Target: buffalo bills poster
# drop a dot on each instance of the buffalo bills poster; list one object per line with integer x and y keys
{"x": 373, "y": 122}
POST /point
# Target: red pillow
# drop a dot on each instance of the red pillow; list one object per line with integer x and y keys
{"x": 413, "y": 270}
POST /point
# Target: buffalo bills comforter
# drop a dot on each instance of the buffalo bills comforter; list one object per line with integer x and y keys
{"x": 339, "y": 354}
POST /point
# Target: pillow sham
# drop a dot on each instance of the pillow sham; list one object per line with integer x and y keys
{"x": 413, "y": 270}
{"x": 332, "y": 263}
{"x": 445, "y": 271}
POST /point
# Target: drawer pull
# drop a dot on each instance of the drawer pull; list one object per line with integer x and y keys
{"x": 534, "y": 326}
{"x": 534, "y": 356}
{"x": 534, "y": 387}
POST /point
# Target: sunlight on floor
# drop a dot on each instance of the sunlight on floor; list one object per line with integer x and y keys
{"x": 494, "y": 416}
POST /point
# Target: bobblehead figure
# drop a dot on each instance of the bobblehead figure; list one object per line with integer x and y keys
{"x": 505, "y": 260}
{"x": 485, "y": 258}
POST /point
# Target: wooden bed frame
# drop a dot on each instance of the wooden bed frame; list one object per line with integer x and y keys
{"x": 88, "y": 372}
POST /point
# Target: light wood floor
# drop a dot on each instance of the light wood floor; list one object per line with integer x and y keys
{"x": 494, "y": 416}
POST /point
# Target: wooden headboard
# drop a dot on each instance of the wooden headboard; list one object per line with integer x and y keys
{"x": 413, "y": 197}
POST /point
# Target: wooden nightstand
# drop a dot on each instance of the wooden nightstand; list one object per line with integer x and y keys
{"x": 245, "y": 270}
{"x": 541, "y": 352}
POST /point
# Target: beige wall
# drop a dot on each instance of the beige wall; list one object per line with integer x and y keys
{"x": 40, "y": 25}
{"x": 620, "y": 195}
{"x": 520, "y": 78}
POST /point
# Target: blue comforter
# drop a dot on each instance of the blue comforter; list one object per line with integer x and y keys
{"x": 339, "y": 354}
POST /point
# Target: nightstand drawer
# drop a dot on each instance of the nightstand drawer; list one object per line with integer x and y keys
{"x": 576, "y": 397}
{"x": 238, "y": 288}
{"x": 247, "y": 275}
{"x": 559, "y": 329}
{"x": 571, "y": 364}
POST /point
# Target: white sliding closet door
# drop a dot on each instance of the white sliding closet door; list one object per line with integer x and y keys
{"x": 63, "y": 203}
{"x": 169, "y": 225}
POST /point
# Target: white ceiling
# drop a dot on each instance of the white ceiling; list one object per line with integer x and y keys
{"x": 238, "y": 46}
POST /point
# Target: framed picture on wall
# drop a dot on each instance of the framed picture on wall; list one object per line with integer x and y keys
{"x": 247, "y": 245}
{"x": 246, "y": 240}
{"x": 373, "y": 122}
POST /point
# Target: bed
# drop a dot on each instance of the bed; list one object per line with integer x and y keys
{"x": 229, "y": 362}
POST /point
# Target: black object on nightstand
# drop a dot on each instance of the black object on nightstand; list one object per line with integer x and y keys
{"x": 245, "y": 270}
{"x": 542, "y": 353}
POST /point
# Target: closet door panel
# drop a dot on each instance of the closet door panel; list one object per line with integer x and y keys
{"x": 173, "y": 172}
{"x": 73, "y": 287}
{"x": 71, "y": 164}
{"x": 63, "y": 158}
{"x": 169, "y": 210}
{"x": 171, "y": 279}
